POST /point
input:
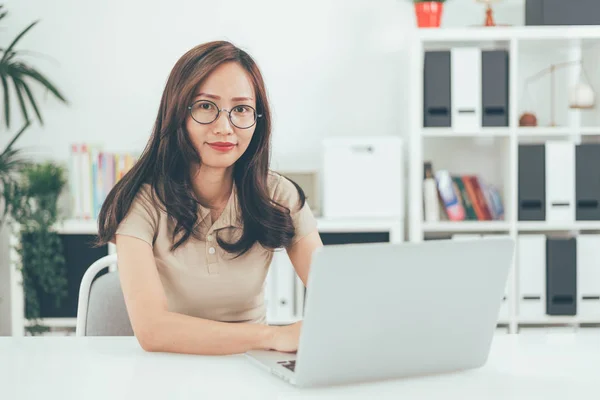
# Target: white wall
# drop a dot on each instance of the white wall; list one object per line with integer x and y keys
{"x": 111, "y": 59}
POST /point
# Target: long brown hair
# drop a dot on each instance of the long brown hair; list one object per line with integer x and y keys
{"x": 165, "y": 162}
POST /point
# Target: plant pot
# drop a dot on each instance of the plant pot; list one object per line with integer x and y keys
{"x": 429, "y": 14}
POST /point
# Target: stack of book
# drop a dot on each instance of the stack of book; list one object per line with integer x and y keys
{"x": 92, "y": 174}
{"x": 460, "y": 197}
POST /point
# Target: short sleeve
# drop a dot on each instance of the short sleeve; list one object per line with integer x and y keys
{"x": 141, "y": 220}
{"x": 287, "y": 195}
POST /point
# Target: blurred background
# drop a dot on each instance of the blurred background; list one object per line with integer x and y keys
{"x": 111, "y": 60}
{"x": 338, "y": 73}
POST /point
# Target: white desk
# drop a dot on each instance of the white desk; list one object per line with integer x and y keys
{"x": 524, "y": 366}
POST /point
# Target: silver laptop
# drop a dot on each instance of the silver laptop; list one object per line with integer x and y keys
{"x": 385, "y": 311}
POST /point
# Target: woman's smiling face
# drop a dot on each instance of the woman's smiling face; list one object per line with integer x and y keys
{"x": 222, "y": 142}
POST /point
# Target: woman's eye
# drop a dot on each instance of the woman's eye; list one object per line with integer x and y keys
{"x": 241, "y": 109}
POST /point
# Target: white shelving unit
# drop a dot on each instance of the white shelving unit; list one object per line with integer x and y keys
{"x": 530, "y": 49}
{"x": 395, "y": 228}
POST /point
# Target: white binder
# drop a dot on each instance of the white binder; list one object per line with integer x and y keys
{"x": 560, "y": 181}
{"x": 504, "y": 314}
{"x": 282, "y": 294}
{"x": 431, "y": 204}
{"x": 363, "y": 177}
{"x": 531, "y": 265}
{"x": 466, "y": 89}
{"x": 588, "y": 277}
{"x": 299, "y": 294}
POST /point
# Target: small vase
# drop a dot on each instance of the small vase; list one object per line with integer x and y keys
{"x": 429, "y": 14}
{"x": 582, "y": 96}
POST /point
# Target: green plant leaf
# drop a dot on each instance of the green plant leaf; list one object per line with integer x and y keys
{"x": 31, "y": 100}
{"x": 8, "y": 51}
{"x": 19, "y": 72}
{"x": 32, "y": 73}
{"x": 6, "y": 101}
{"x": 14, "y": 139}
{"x": 11, "y": 161}
{"x": 21, "y": 99}
{"x": 2, "y": 12}
{"x": 5, "y": 182}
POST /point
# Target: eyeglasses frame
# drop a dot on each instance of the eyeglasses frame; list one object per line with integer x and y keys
{"x": 256, "y": 114}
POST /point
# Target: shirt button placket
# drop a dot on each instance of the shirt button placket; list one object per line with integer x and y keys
{"x": 211, "y": 256}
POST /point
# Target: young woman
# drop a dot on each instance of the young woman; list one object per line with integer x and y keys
{"x": 198, "y": 217}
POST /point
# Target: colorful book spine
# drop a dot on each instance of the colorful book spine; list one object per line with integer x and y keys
{"x": 463, "y": 197}
{"x": 449, "y": 196}
{"x": 74, "y": 181}
{"x": 431, "y": 203}
{"x": 466, "y": 200}
{"x": 93, "y": 173}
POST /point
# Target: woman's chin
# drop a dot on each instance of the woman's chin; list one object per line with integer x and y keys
{"x": 222, "y": 162}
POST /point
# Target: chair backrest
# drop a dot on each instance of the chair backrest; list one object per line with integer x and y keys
{"x": 101, "y": 307}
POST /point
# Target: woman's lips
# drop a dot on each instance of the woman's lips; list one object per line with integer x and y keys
{"x": 222, "y": 146}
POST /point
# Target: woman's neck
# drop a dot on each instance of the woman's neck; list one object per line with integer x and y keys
{"x": 212, "y": 186}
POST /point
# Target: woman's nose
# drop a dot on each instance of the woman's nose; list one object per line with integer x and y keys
{"x": 223, "y": 124}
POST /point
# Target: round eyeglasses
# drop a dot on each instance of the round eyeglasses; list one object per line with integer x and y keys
{"x": 206, "y": 112}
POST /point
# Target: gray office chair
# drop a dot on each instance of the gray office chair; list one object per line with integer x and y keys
{"x": 101, "y": 307}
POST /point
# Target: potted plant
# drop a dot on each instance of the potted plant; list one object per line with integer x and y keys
{"x": 16, "y": 78}
{"x": 33, "y": 199}
{"x": 27, "y": 191}
{"x": 429, "y": 13}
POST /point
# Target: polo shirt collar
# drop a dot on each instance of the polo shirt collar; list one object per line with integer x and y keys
{"x": 231, "y": 215}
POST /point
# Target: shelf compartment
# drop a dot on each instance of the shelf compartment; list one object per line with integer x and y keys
{"x": 466, "y": 226}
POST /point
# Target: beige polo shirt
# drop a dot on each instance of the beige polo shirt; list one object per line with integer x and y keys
{"x": 199, "y": 278}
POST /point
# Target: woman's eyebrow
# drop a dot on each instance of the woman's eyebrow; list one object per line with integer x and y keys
{"x": 214, "y": 96}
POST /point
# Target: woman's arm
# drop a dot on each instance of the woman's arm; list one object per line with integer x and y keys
{"x": 301, "y": 252}
{"x": 159, "y": 330}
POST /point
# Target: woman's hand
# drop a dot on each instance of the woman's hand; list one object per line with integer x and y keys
{"x": 286, "y": 338}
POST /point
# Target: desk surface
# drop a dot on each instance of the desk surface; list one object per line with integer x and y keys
{"x": 525, "y": 366}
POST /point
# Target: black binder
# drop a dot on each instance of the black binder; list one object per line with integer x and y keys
{"x": 561, "y": 276}
{"x": 587, "y": 182}
{"x": 532, "y": 182}
{"x": 494, "y": 82}
{"x": 437, "y": 89}
{"x": 534, "y": 12}
{"x": 562, "y": 12}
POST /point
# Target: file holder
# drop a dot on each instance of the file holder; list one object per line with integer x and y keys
{"x": 437, "y": 90}
{"x": 532, "y": 182}
{"x": 561, "y": 276}
{"x": 587, "y": 182}
{"x": 494, "y": 81}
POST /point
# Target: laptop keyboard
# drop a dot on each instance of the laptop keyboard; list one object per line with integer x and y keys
{"x": 291, "y": 364}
